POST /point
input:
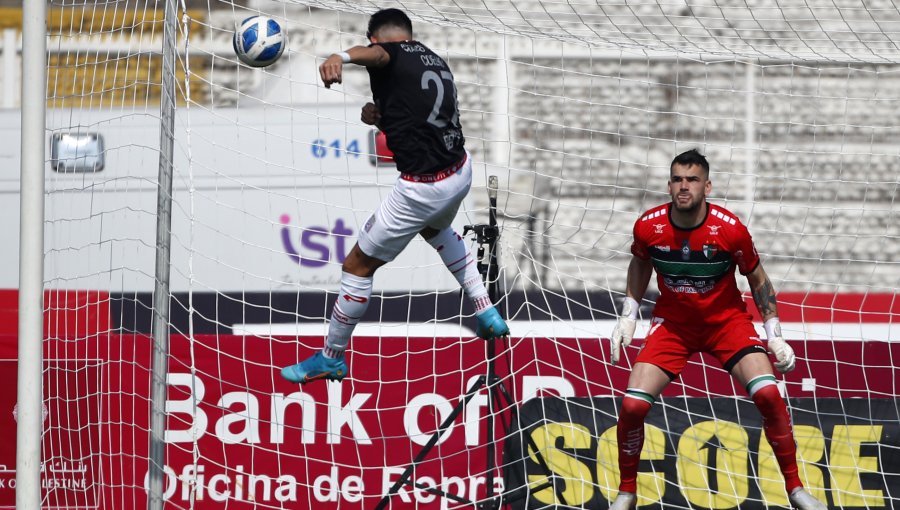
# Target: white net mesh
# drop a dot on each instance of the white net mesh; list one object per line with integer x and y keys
{"x": 578, "y": 108}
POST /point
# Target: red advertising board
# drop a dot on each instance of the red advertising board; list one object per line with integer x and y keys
{"x": 238, "y": 432}
{"x": 71, "y": 442}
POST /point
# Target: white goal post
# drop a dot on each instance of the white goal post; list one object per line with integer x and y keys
{"x": 577, "y": 108}
{"x": 29, "y": 396}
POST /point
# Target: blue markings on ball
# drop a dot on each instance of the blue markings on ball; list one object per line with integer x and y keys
{"x": 259, "y": 49}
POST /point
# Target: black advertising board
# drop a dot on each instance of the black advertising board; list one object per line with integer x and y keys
{"x": 704, "y": 454}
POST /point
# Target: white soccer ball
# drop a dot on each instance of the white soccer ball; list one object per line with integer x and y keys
{"x": 259, "y": 41}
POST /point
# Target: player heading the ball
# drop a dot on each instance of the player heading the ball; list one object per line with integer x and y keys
{"x": 414, "y": 104}
{"x": 694, "y": 247}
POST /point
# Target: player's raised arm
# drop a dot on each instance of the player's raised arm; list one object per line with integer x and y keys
{"x": 332, "y": 70}
{"x": 639, "y": 272}
{"x": 764, "y": 296}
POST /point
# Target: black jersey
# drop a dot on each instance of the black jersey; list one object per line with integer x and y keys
{"x": 416, "y": 96}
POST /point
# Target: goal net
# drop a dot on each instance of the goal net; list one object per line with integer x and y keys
{"x": 577, "y": 108}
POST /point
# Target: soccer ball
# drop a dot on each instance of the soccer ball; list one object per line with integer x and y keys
{"x": 259, "y": 41}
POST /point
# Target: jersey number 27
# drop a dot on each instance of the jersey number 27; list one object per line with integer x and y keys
{"x": 438, "y": 112}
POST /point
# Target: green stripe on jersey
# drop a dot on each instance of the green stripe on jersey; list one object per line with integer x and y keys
{"x": 695, "y": 269}
{"x": 640, "y": 395}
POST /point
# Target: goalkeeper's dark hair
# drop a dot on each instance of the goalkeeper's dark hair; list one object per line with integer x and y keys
{"x": 393, "y": 18}
{"x": 691, "y": 158}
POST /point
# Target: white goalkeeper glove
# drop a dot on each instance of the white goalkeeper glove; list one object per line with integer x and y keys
{"x": 784, "y": 355}
{"x": 624, "y": 330}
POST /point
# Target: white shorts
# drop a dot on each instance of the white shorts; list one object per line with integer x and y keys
{"x": 410, "y": 207}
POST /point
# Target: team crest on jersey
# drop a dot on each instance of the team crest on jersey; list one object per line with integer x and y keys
{"x": 685, "y": 250}
{"x": 658, "y": 228}
{"x": 452, "y": 138}
{"x": 710, "y": 250}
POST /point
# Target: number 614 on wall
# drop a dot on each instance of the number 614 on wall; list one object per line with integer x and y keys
{"x": 323, "y": 149}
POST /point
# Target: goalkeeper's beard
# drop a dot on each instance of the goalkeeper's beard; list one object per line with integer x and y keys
{"x": 692, "y": 207}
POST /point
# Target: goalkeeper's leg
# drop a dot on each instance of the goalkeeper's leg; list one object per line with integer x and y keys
{"x": 630, "y": 436}
{"x": 777, "y": 427}
{"x": 742, "y": 353}
{"x": 754, "y": 371}
{"x": 646, "y": 382}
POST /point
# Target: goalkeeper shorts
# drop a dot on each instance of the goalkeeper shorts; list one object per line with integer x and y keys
{"x": 669, "y": 345}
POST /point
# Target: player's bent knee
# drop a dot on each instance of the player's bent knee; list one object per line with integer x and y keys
{"x": 440, "y": 238}
{"x": 769, "y": 400}
{"x": 429, "y": 233}
{"x": 358, "y": 263}
{"x": 633, "y": 408}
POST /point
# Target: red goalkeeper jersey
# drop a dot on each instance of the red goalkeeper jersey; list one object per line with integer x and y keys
{"x": 695, "y": 267}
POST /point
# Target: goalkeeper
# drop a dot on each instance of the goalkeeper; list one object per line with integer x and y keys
{"x": 694, "y": 246}
{"x": 415, "y": 106}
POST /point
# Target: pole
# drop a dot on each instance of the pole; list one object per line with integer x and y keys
{"x": 161, "y": 299}
{"x": 487, "y": 236}
{"x": 493, "y": 273}
{"x": 750, "y": 140}
{"x": 29, "y": 418}
{"x": 10, "y": 71}
{"x": 500, "y": 131}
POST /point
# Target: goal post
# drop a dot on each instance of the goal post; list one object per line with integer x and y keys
{"x": 29, "y": 396}
{"x": 577, "y": 109}
{"x": 162, "y": 271}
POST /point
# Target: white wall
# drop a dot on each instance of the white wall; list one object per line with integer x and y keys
{"x": 243, "y": 177}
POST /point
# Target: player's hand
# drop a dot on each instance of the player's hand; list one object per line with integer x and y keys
{"x": 784, "y": 354}
{"x": 370, "y": 114}
{"x": 332, "y": 70}
{"x": 621, "y": 336}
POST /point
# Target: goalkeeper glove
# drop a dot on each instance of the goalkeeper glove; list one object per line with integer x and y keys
{"x": 784, "y": 354}
{"x": 624, "y": 330}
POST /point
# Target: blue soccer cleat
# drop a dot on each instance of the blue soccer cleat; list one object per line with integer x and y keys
{"x": 491, "y": 325}
{"x": 316, "y": 367}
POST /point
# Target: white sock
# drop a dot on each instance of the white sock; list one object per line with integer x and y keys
{"x": 458, "y": 259}
{"x": 351, "y": 304}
